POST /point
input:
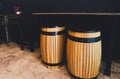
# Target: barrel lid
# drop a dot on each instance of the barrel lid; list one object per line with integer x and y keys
{"x": 52, "y": 25}
{"x": 84, "y": 28}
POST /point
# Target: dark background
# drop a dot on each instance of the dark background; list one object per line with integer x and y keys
{"x": 109, "y": 25}
{"x": 6, "y": 6}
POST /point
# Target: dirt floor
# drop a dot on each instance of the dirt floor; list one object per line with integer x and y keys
{"x": 18, "y": 64}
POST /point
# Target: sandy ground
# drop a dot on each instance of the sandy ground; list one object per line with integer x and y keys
{"x": 18, "y": 64}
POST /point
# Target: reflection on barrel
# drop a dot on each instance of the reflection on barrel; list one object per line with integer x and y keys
{"x": 84, "y": 53}
{"x": 51, "y": 45}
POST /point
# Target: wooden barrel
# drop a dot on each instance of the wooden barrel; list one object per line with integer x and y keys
{"x": 52, "y": 45}
{"x": 84, "y": 53}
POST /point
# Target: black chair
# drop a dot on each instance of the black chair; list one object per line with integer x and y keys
{"x": 13, "y": 29}
{"x": 1, "y": 28}
{"x": 28, "y": 31}
{"x": 4, "y": 36}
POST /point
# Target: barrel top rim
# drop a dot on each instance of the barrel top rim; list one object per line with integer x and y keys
{"x": 84, "y": 30}
{"x": 52, "y": 26}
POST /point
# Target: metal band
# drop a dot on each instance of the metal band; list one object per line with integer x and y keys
{"x": 84, "y": 40}
{"x": 54, "y": 64}
{"x": 52, "y": 33}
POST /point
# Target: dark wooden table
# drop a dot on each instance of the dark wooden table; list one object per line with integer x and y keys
{"x": 109, "y": 26}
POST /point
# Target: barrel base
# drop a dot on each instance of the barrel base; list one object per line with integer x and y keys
{"x": 53, "y": 66}
{"x": 74, "y": 77}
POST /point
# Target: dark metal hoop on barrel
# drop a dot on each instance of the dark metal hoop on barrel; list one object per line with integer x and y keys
{"x": 52, "y": 45}
{"x": 84, "y": 53}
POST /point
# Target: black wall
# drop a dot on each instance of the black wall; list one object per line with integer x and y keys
{"x": 62, "y": 5}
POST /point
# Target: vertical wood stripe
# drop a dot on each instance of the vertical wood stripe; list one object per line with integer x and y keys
{"x": 52, "y": 48}
{"x": 83, "y": 58}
